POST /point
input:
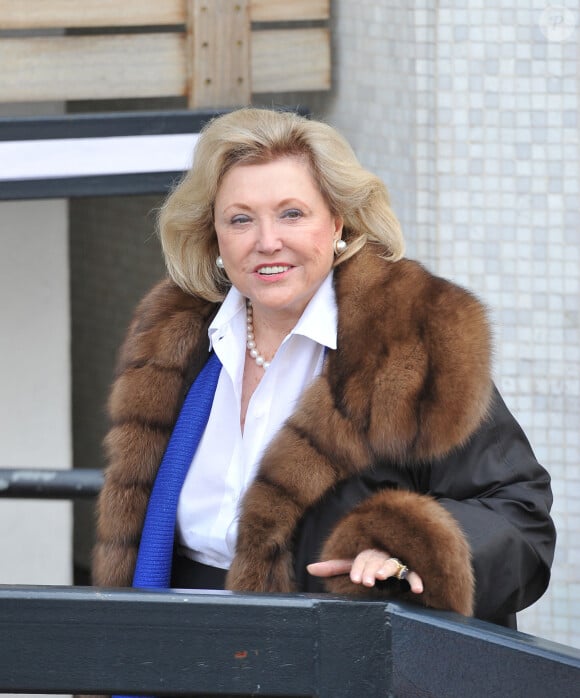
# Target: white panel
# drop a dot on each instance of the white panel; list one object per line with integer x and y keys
{"x": 78, "y": 157}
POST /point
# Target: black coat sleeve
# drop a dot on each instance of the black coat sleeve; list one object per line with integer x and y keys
{"x": 501, "y": 497}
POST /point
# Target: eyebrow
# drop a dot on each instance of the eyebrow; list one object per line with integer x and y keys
{"x": 285, "y": 202}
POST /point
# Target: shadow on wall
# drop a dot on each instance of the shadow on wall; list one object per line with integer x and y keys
{"x": 115, "y": 257}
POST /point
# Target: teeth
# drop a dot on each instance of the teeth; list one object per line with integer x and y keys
{"x": 272, "y": 270}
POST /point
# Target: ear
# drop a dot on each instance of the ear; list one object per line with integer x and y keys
{"x": 338, "y": 226}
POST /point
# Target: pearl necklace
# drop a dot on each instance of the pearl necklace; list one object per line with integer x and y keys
{"x": 250, "y": 339}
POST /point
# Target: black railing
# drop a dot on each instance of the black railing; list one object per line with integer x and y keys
{"x": 89, "y": 640}
{"x": 36, "y": 483}
{"x": 85, "y": 640}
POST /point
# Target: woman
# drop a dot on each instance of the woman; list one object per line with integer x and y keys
{"x": 355, "y": 442}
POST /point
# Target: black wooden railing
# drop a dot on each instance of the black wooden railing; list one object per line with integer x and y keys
{"x": 61, "y": 640}
{"x": 89, "y": 640}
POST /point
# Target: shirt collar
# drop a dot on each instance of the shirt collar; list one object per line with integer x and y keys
{"x": 318, "y": 321}
{"x": 233, "y": 304}
{"x": 320, "y": 317}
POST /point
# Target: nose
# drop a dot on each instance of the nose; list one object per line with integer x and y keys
{"x": 268, "y": 239}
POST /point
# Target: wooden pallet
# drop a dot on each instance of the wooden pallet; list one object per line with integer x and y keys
{"x": 217, "y": 53}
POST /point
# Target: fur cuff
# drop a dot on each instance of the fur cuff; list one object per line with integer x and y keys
{"x": 419, "y": 531}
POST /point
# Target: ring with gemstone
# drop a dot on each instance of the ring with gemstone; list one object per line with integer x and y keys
{"x": 402, "y": 570}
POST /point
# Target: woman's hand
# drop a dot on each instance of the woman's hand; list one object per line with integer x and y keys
{"x": 367, "y": 568}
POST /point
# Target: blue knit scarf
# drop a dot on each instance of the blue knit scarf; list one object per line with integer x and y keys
{"x": 153, "y": 568}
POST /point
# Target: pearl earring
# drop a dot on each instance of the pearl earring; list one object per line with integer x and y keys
{"x": 219, "y": 262}
{"x": 339, "y": 247}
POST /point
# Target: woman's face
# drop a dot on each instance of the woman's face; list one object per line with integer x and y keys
{"x": 275, "y": 234}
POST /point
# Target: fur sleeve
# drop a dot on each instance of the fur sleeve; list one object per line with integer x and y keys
{"x": 418, "y": 531}
{"x": 165, "y": 345}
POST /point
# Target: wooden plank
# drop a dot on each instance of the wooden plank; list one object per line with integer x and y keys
{"x": 92, "y": 67}
{"x": 154, "y": 65}
{"x": 58, "y": 14}
{"x": 218, "y": 48}
{"x": 47, "y": 14}
{"x": 287, "y": 60}
{"x": 289, "y": 10}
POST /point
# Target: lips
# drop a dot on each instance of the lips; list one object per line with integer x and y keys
{"x": 273, "y": 269}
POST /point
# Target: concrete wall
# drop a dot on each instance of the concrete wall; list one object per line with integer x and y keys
{"x": 35, "y": 425}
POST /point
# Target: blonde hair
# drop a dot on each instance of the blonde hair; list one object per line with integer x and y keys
{"x": 253, "y": 136}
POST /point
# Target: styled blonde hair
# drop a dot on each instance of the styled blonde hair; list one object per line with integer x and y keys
{"x": 252, "y": 136}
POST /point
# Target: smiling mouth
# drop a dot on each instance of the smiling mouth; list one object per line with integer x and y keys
{"x": 275, "y": 269}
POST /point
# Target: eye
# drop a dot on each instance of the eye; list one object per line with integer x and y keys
{"x": 292, "y": 213}
{"x": 239, "y": 219}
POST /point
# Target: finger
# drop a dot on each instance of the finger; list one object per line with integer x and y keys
{"x": 358, "y": 566}
{"x": 366, "y": 567}
{"x": 412, "y": 578}
{"x": 380, "y": 567}
{"x": 415, "y": 582}
{"x": 329, "y": 568}
{"x": 385, "y": 570}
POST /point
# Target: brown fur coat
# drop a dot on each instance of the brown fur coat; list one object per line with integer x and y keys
{"x": 409, "y": 381}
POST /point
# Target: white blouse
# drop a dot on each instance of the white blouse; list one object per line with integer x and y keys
{"x": 227, "y": 459}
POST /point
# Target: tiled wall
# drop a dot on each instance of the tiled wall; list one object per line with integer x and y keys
{"x": 469, "y": 111}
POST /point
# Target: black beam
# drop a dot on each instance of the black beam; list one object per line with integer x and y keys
{"x": 135, "y": 184}
{"x": 141, "y": 123}
{"x": 84, "y": 640}
{"x": 81, "y": 483}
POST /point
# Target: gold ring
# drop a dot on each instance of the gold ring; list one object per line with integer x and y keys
{"x": 402, "y": 570}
